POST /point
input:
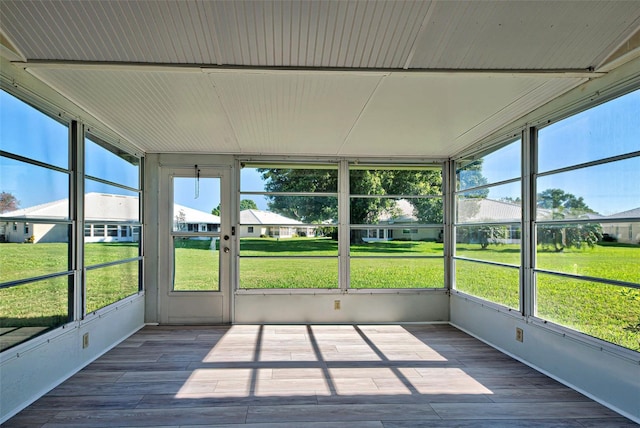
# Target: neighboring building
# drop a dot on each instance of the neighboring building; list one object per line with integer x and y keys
{"x": 106, "y": 217}
{"x": 401, "y": 214}
{"x": 627, "y": 232}
{"x": 258, "y": 223}
{"x": 482, "y": 210}
{"x": 187, "y": 219}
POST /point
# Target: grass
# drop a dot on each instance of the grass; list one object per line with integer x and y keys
{"x": 608, "y": 312}
{"x": 604, "y": 311}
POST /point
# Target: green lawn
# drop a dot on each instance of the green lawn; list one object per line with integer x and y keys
{"x": 608, "y": 312}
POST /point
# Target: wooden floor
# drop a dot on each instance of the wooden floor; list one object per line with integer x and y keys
{"x": 313, "y": 376}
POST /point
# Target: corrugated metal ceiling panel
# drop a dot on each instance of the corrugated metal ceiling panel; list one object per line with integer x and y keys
{"x": 523, "y": 34}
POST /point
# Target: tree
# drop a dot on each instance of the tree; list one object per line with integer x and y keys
{"x": 245, "y": 204}
{"x": 317, "y": 209}
{"x": 8, "y": 202}
{"x": 248, "y": 204}
{"x": 565, "y": 205}
{"x": 180, "y": 221}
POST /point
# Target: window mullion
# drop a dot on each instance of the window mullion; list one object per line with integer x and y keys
{"x": 344, "y": 231}
{"x": 76, "y": 209}
{"x": 528, "y": 246}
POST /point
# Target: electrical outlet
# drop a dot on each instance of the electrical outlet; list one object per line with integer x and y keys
{"x": 85, "y": 340}
{"x": 519, "y": 335}
{"x": 336, "y": 305}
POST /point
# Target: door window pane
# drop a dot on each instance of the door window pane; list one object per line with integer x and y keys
{"x": 196, "y": 266}
{"x": 196, "y": 209}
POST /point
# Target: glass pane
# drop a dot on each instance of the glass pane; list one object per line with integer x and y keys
{"x": 584, "y": 249}
{"x": 96, "y": 253}
{"x": 609, "y": 129}
{"x": 493, "y": 283}
{"x": 293, "y": 211}
{"x": 606, "y": 189}
{"x": 30, "y": 309}
{"x": 196, "y": 262}
{"x": 495, "y": 243}
{"x": 43, "y": 250}
{"x": 396, "y": 211}
{"x": 492, "y": 204}
{"x": 397, "y": 242}
{"x": 111, "y": 164}
{"x": 270, "y": 273}
{"x": 387, "y": 181}
{"x": 27, "y": 132}
{"x": 287, "y": 179}
{"x": 499, "y": 165}
{"x": 608, "y": 312}
{"x": 109, "y": 284}
{"x": 269, "y": 245}
{"x": 33, "y": 191}
{"x": 397, "y": 273}
{"x": 196, "y": 209}
{"x": 109, "y": 203}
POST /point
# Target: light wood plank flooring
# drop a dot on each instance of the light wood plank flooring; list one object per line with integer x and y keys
{"x": 315, "y": 376}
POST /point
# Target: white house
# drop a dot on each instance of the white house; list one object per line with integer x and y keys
{"x": 401, "y": 214}
{"x": 257, "y": 223}
{"x": 187, "y": 219}
{"x": 627, "y": 232}
{"x": 106, "y": 216}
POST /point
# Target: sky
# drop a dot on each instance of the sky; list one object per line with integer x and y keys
{"x": 607, "y": 189}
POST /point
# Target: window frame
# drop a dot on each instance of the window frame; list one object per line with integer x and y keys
{"x": 459, "y": 164}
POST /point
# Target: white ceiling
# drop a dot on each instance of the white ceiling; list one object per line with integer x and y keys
{"x": 369, "y": 78}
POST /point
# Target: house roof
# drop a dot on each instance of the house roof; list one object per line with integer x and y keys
{"x": 104, "y": 206}
{"x": 478, "y": 210}
{"x": 252, "y": 216}
{"x": 195, "y": 216}
{"x": 626, "y": 214}
{"x": 97, "y": 206}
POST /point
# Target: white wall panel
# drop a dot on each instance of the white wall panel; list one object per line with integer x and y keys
{"x": 609, "y": 378}
{"x": 59, "y": 354}
{"x": 358, "y": 307}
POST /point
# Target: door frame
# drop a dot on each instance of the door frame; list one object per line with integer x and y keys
{"x": 194, "y": 307}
